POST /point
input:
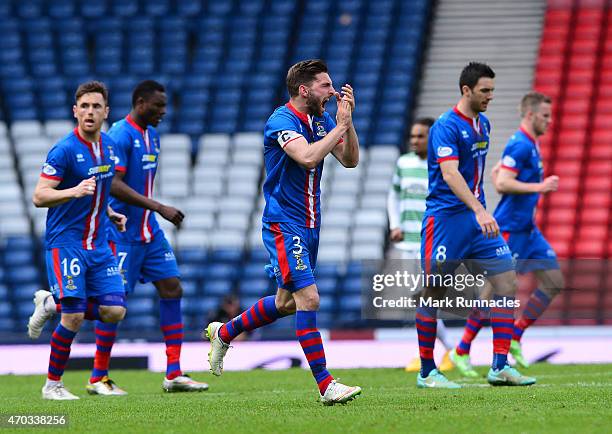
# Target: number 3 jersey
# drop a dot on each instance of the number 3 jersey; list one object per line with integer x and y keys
{"x": 455, "y": 136}
{"x": 292, "y": 192}
{"x": 80, "y": 222}
{"x": 137, "y": 153}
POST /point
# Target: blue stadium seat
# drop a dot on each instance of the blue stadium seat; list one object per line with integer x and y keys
{"x": 23, "y": 275}
{"x": 157, "y": 8}
{"x": 192, "y": 256}
{"x": 140, "y": 322}
{"x": 6, "y": 324}
{"x": 327, "y": 285}
{"x": 5, "y": 309}
{"x": 189, "y": 8}
{"x": 326, "y": 303}
{"x": 144, "y": 290}
{"x": 29, "y": 8}
{"x": 190, "y": 287}
{"x": 125, "y": 8}
{"x": 94, "y": 9}
{"x": 192, "y": 272}
{"x": 220, "y": 271}
{"x": 218, "y": 288}
{"x": 226, "y": 256}
{"x": 4, "y": 292}
{"x": 253, "y": 287}
{"x": 61, "y": 9}
{"x": 145, "y": 306}
{"x": 18, "y": 258}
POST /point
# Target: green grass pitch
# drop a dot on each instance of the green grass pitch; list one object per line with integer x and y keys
{"x": 570, "y": 398}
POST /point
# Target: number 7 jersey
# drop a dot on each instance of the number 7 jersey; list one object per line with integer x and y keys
{"x": 137, "y": 154}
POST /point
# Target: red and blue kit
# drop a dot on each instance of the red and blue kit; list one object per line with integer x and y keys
{"x": 79, "y": 260}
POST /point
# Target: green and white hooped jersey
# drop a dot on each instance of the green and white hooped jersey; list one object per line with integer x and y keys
{"x": 407, "y": 199}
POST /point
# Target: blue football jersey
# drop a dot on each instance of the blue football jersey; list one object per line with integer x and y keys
{"x": 521, "y": 155}
{"x": 137, "y": 154}
{"x": 80, "y": 222}
{"x": 292, "y": 192}
{"x": 455, "y": 136}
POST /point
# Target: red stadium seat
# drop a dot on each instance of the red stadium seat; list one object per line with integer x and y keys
{"x": 598, "y": 183}
{"x": 601, "y": 151}
{"x": 599, "y": 168}
{"x": 561, "y": 216}
{"x": 595, "y": 199}
{"x": 593, "y": 232}
{"x": 561, "y": 247}
{"x": 582, "y": 62}
{"x": 596, "y": 216}
{"x": 565, "y": 168}
{"x": 576, "y": 104}
{"x": 584, "y": 46}
{"x": 573, "y": 121}
{"x": 551, "y": 62}
{"x": 603, "y": 121}
{"x": 589, "y": 249}
{"x": 563, "y": 199}
{"x": 580, "y": 76}
{"x": 560, "y": 232}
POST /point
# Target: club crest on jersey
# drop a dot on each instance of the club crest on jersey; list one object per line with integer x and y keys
{"x": 465, "y": 134}
{"x": 136, "y": 143}
{"x": 70, "y": 283}
{"x": 48, "y": 169}
{"x": 299, "y": 262}
{"x": 80, "y": 158}
{"x": 320, "y": 129}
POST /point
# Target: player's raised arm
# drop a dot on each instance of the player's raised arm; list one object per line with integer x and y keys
{"x": 309, "y": 155}
{"x": 347, "y": 150}
{"x": 456, "y": 182}
{"x": 46, "y": 194}
{"x": 127, "y": 194}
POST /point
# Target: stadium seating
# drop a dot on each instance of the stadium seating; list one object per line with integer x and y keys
{"x": 575, "y": 68}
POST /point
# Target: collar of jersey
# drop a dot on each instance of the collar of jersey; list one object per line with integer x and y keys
{"x": 82, "y": 140}
{"x": 306, "y": 119}
{"x": 529, "y": 136}
{"x": 469, "y": 120}
{"x": 133, "y": 123}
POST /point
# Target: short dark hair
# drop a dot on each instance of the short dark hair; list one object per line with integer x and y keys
{"x": 531, "y": 101}
{"x": 145, "y": 89}
{"x": 473, "y": 72}
{"x": 303, "y": 72}
{"x": 91, "y": 87}
{"x": 428, "y": 122}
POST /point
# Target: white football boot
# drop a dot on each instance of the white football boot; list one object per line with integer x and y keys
{"x": 218, "y": 348}
{"x": 338, "y": 393}
{"x": 183, "y": 383}
{"x": 106, "y": 387}
{"x": 41, "y": 314}
{"x": 56, "y": 391}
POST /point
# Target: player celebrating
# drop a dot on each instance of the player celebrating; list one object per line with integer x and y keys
{"x": 405, "y": 206}
{"x": 519, "y": 177}
{"x": 75, "y": 184}
{"x": 297, "y": 137}
{"x": 457, "y": 226}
